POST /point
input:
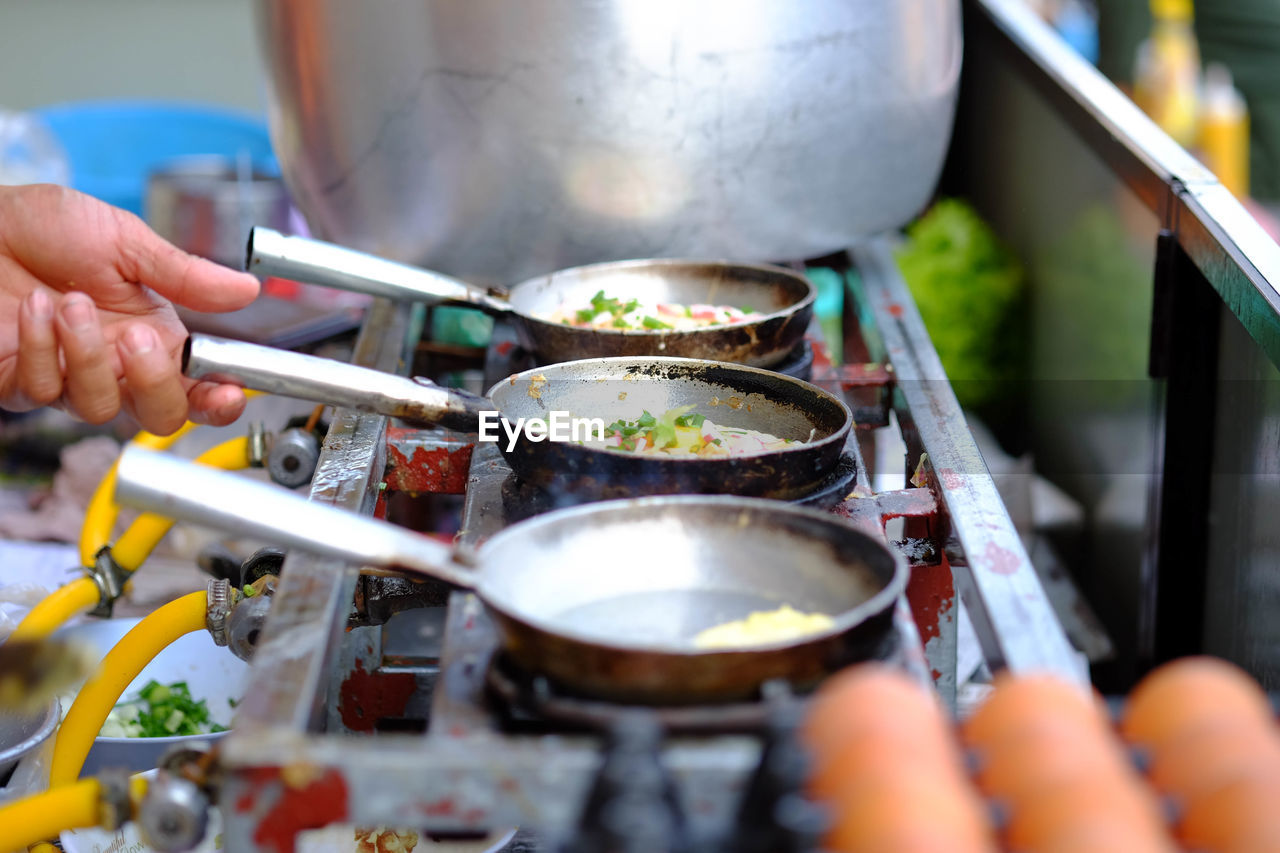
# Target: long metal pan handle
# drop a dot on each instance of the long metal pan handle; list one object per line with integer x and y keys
{"x": 271, "y": 253}
{"x": 175, "y": 488}
{"x": 324, "y": 380}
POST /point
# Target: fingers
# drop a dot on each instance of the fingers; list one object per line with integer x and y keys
{"x": 194, "y": 282}
{"x": 214, "y": 404}
{"x": 39, "y": 370}
{"x": 63, "y": 355}
{"x": 90, "y": 390}
{"x": 157, "y": 396}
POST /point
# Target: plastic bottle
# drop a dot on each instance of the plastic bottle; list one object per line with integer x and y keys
{"x": 1224, "y": 130}
{"x": 1167, "y": 79}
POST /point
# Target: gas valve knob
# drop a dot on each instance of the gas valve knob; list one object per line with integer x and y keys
{"x": 174, "y": 814}
{"x": 293, "y": 457}
{"x": 244, "y": 625}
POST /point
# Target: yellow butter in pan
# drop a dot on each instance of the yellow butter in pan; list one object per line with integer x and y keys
{"x": 764, "y": 627}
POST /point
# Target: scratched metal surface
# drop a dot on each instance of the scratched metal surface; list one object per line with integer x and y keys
{"x": 1015, "y": 622}
{"x": 463, "y": 774}
{"x": 286, "y": 697}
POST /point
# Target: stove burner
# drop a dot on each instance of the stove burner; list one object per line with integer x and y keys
{"x": 532, "y": 701}
{"x": 836, "y": 487}
{"x": 799, "y": 364}
{"x": 522, "y": 500}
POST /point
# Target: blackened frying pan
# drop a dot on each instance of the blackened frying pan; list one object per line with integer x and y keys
{"x": 783, "y": 297}
{"x": 730, "y": 395}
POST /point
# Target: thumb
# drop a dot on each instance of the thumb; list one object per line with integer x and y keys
{"x": 196, "y": 283}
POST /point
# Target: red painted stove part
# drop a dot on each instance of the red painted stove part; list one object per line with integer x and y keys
{"x": 870, "y": 511}
{"x": 440, "y": 470}
{"x": 821, "y": 352}
{"x": 319, "y": 801}
{"x": 931, "y": 593}
{"x": 366, "y": 697}
{"x": 851, "y": 376}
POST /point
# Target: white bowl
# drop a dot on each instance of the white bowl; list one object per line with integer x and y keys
{"x": 213, "y": 674}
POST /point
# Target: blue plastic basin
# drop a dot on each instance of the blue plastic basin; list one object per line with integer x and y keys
{"x": 114, "y": 145}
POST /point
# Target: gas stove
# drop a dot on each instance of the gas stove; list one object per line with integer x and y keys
{"x": 392, "y": 694}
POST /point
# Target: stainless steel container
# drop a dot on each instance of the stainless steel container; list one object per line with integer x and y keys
{"x": 499, "y": 140}
{"x": 206, "y": 205}
{"x": 20, "y": 736}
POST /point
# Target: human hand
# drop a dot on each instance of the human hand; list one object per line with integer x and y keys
{"x": 84, "y": 319}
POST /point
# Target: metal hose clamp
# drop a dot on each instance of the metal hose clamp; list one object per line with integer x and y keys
{"x": 219, "y": 608}
{"x": 115, "y": 806}
{"x": 108, "y": 576}
{"x": 257, "y": 445}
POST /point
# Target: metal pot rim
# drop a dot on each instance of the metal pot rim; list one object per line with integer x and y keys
{"x": 17, "y": 751}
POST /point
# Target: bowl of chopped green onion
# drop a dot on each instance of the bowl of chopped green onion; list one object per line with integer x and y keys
{"x": 187, "y": 693}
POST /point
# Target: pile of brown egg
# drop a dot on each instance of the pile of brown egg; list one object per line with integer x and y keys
{"x": 1192, "y": 763}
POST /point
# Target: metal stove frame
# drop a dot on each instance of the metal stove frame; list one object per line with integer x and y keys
{"x": 296, "y": 758}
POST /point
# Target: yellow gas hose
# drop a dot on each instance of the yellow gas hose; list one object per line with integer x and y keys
{"x": 42, "y": 816}
{"x": 57, "y": 607}
{"x": 137, "y": 543}
{"x": 121, "y": 666}
{"x": 101, "y": 514}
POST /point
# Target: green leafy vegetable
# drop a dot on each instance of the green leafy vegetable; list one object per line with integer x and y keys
{"x": 969, "y": 289}
{"x": 664, "y": 431}
{"x": 160, "y": 710}
{"x": 655, "y": 323}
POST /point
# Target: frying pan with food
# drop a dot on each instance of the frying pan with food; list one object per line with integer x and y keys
{"x": 731, "y": 395}
{"x": 605, "y": 599}
{"x": 783, "y": 298}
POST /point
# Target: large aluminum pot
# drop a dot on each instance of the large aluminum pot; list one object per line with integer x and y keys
{"x": 497, "y": 141}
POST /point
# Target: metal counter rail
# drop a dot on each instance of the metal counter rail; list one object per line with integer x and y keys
{"x": 1011, "y": 613}
{"x": 1231, "y": 250}
{"x": 1215, "y": 267}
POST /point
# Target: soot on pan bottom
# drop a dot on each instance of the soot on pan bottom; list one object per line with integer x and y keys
{"x": 528, "y": 701}
{"x": 521, "y": 500}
